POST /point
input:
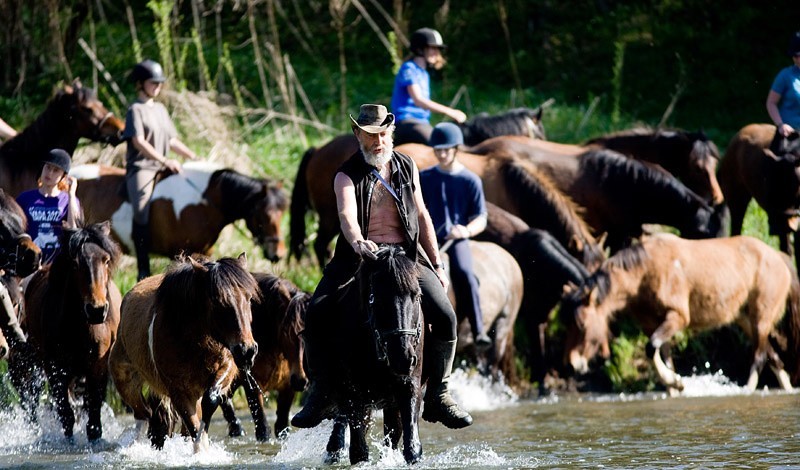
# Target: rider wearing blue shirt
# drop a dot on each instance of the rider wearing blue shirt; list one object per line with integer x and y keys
{"x": 783, "y": 100}
{"x": 454, "y": 198}
{"x": 411, "y": 97}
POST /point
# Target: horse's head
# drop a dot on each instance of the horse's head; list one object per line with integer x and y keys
{"x": 587, "y": 327}
{"x": 264, "y": 220}
{"x": 701, "y": 171}
{"x": 391, "y": 296}
{"x": 290, "y": 330}
{"x": 534, "y": 123}
{"x": 93, "y": 254}
{"x": 90, "y": 117}
{"x": 227, "y": 288}
{"x": 18, "y": 253}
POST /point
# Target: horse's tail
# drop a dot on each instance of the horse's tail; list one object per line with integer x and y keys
{"x": 791, "y": 325}
{"x": 299, "y": 206}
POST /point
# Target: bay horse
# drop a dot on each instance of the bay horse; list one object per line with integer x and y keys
{"x": 750, "y": 170}
{"x": 73, "y": 112}
{"x": 515, "y": 185}
{"x": 71, "y": 316}
{"x": 689, "y": 156}
{"x": 277, "y": 323}
{"x": 547, "y": 268}
{"x": 188, "y": 209}
{"x": 669, "y": 284}
{"x": 500, "y": 290}
{"x": 619, "y": 194}
{"x": 381, "y": 340}
{"x": 185, "y": 335}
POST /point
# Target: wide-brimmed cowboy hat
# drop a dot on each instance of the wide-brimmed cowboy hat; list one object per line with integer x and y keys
{"x": 373, "y": 118}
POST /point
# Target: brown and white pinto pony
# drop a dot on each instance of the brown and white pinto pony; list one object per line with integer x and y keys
{"x": 73, "y": 112}
{"x": 189, "y": 209}
{"x": 185, "y": 335}
{"x": 669, "y": 284}
{"x": 71, "y": 316}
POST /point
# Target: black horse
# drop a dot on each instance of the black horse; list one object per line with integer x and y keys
{"x": 381, "y": 345}
{"x": 517, "y": 121}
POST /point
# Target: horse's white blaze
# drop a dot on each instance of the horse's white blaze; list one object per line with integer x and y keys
{"x": 85, "y": 172}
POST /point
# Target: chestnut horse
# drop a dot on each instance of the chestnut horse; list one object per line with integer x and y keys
{"x": 277, "y": 323}
{"x": 689, "y": 156}
{"x": 74, "y": 112}
{"x": 500, "y": 289}
{"x": 71, "y": 315}
{"x": 619, "y": 193}
{"x": 514, "y": 185}
{"x": 750, "y": 170}
{"x": 547, "y": 268}
{"x": 669, "y": 284}
{"x": 186, "y": 335}
{"x": 189, "y": 209}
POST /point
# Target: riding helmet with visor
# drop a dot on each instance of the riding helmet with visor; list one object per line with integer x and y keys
{"x": 59, "y": 158}
{"x": 148, "y": 70}
{"x": 424, "y": 37}
{"x": 446, "y": 135}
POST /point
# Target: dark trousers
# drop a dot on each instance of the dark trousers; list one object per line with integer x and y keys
{"x": 465, "y": 284}
{"x": 412, "y": 131}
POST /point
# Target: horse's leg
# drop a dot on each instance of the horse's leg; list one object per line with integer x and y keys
{"x": 738, "y": 208}
{"x": 129, "y": 383}
{"x": 27, "y": 377}
{"x": 673, "y": 322}
{"x": 325, "y": 233}
{"x": 59, "y": 385}
{"x": 336, "y": 441}
{"x": 284, "y": 404}
{"x": 255, "y": 402}
{"x": 392, "y": 426}
{"x": 234, "y": 425}
{"x": 409, "y": 412}
{"x": 190, "y": 417}
{"x": 359, "y": 449}
{"x": 95, "y": 395}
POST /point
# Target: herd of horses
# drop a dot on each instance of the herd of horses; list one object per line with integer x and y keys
{"x": 568, "y": 225}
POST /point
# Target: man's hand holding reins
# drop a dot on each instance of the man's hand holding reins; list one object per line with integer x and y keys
{"x": 365, "y": 248}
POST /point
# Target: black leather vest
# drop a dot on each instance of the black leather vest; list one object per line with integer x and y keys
{"x": 402, "y": 181}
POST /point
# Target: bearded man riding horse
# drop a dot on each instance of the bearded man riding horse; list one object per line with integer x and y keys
{"x": 380, "y": 203}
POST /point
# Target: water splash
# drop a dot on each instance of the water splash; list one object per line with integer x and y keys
{"x": 476, "y": 392}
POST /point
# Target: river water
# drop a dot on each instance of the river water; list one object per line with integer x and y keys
{"x": 714, "y": 425}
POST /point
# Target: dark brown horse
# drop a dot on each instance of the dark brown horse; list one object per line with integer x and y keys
{"x": 547, "y": 268}
{"x": 277, "y": 323}
{"x": 381, "y": 343}
{"x": 619, "y": 194}
{"x": 669, "y": 284}
{"x": 516, "y": 186}
{"x": 71, "y": 315}
{"x": 501, "y": 291}
{"x": 750, "y": 170}
{"x": 19, "y": 256}
{"x": 185, "y": 335}
{"x": 190, "y": 209}
{"x": 73, "y": 113}
{"x": 689, "y": 156}
{"x": 518, "y": 121}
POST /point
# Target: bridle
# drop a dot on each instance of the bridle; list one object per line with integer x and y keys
{"x": 382, "y": 335}
{"x": 97, "y": 131}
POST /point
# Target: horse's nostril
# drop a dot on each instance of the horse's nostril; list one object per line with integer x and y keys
{"x": 3, "y": 351}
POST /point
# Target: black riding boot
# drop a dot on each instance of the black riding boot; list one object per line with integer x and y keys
{"x": 318, "y": 405}
{"x": 439, "y": 405}
{"x": 141, "y": 242}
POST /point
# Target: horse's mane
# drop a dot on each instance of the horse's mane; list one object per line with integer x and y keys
{"x": 393, "y": 261}
{"x": 539, "y": 199}
{"x": 513, "y": 122}
{"x": 12, "y": 218}
{"x": 244, "y": 191}
{"x": 699, "y": 144}
{"x": 293, "y": 303}
{"x": 622, "y": 177}
{"x": 73, "y": 241}
{"x": 187, "y": 288}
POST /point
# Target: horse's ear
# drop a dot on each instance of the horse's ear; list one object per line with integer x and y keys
{"x": 601, "y": 240}
{"x": 105, "y": 227}
{"x": 77, "y": 83}
{"x": 197, "y": 266}
{"x": 569, "y": 288}
{"x": 593, "y": 293}
{"x": 538, "y": 113}
{"x": 242, "y": 260}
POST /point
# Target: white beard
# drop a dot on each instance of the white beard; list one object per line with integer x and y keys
{"x": 377, "y": 159}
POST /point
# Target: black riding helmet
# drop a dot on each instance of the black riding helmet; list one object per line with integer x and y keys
{"x": 424, "y": 37}
{"x": 794, "y": 45}
{"x": 147, "y": 70}
{"x": 59, "y": 158}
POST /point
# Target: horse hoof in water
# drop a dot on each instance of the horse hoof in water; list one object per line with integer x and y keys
{"x": 235, "y": 429}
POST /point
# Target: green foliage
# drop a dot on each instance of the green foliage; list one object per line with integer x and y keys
{"x": 628, "y": 365}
